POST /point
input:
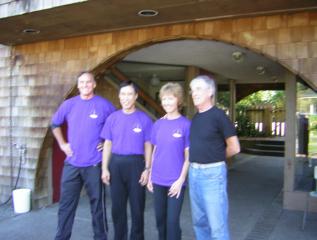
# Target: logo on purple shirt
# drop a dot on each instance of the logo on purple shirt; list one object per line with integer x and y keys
{"x": 137, "y": 128}
{"x": 93, "y": 115}
{"x": 177, "y": 133}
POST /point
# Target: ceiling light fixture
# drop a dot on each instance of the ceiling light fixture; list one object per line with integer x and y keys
{"x": 147, "y": 13}
{"x": 260, "y": 70}
{"x": 237, "y": 56}
{"x": 155, "y": 81}
{"x": 31, "y": 31}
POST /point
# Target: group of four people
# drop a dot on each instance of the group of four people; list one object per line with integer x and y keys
{"x": 115, "y": 147}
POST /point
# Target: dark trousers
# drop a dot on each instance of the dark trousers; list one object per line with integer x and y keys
{"x": 125, "y": 172}
{"x": 73, "y": 179}
{"x": 167, "y": 213}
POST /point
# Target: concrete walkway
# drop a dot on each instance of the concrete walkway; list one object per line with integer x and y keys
{"x": 255, "y": 185}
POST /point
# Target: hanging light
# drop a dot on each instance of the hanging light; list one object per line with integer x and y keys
{"x": 155, "y": 81}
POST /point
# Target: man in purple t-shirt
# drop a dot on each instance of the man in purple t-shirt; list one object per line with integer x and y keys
{"x": 126, "y": 162}
{"x": 85, "y": 115}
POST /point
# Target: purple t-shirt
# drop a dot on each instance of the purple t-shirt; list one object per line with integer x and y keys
{"x": 171, "y": 138}
{"x": 127, "y": 132}
{"x": 85, "y": 120}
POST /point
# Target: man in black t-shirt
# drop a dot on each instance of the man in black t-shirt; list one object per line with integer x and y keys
{"x": 212, "y": 139}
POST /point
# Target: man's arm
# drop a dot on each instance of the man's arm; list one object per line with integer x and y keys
{"x": 65, "y": 146}
{"x": 106, "y": 154}
{"x": 147, "y": 157}
{"x": 233, "y": 146}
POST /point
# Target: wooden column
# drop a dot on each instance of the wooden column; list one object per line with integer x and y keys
{"x": 290, "y": 136}
{"x": 267, "y": 120}
{"x": 232, "y": 107}
{"x": 292, "y": 199}
{"x": 191, "y": 72}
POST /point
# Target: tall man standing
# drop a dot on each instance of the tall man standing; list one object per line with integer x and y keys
{"x": 85, "y": 115}
{"x": 126, "y": 162}
{"x": 212, "y": 140}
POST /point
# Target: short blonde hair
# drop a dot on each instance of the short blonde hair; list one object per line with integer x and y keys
{"x": 174, "y": 89}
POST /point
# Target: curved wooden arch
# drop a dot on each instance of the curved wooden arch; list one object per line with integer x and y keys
{"x": 119, "y": 55}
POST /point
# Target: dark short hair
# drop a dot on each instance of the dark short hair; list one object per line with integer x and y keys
{"x": 129, "y": 83}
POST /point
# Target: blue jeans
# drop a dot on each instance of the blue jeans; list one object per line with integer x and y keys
{"x": 209, "y": 202}
{"x": 167, "y": 213}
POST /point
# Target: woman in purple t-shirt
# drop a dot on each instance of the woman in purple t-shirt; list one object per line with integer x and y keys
{"x": 170, "y": 137}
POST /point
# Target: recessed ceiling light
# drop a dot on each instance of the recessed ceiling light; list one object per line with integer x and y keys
{"x": 147, "y": 13}
{"x": 30, "y": 31}
{"x": 237, "y": 56}
{"x": 260, "y": 70}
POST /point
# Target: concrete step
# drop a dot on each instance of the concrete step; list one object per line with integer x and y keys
{"x": 263, "y": 152}
{"x": 270, "y": 142}
{"x": 269, "y": 147}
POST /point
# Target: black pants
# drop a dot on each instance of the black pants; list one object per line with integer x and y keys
{"x": 73, "y": 179}
{"x": 125, "y": 172}
{"x": 167, "y": 213}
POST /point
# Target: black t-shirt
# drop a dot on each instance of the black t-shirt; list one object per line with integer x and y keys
{"x": 208, "y": 133}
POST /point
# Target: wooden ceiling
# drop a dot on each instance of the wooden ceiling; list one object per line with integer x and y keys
{"x": 97, "y": 16}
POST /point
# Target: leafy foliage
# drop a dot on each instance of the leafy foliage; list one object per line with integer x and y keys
{"x": 244, "y": 125}
{"x": 275, "y": 98}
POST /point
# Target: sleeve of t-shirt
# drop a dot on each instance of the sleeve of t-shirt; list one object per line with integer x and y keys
{"x": 153, "y": 133}
{"x": 187, "y": 132}
{"x": 228, "y": 128}
{"x": 108, "y": 108}
{"x": 106, "y": 130}
{"x": 148, "y": 129}
{"x": 59, "y": 116}
{"x": 111, "y": 108}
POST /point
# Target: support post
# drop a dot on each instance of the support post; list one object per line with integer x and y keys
{"x": 232, "y": 108}
{"x": 191, "y": 72}
{"x": 290, "y": 138}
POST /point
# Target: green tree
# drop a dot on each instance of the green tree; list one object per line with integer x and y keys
{"x": 244, "y": 125}
{"x": 275, "y": 98}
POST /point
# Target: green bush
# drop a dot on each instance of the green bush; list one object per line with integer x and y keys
{"x": 244, "y": 126}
